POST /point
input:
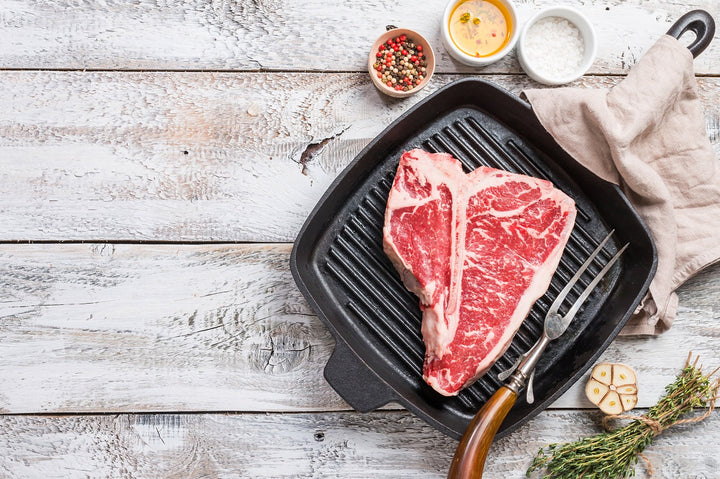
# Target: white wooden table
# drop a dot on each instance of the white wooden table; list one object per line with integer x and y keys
{"x": 156, "y": 162}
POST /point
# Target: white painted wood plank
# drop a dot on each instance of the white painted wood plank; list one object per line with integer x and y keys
{"x": 281, "y": 35}
{"x": 141, "y": 328}
{"x": 349, "y": 445}
{"x": 191, "y": 156}
{"x": 157, "y": 328}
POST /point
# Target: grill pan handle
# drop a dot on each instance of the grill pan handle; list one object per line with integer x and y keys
{"x": 354, "y": 381}
{"x": 700, "y": 22}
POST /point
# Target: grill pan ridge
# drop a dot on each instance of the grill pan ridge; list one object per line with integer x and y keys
{"x": 341, "y": 269}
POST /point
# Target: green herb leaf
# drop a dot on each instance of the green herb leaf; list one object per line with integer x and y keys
{"x": 614, "y": 454}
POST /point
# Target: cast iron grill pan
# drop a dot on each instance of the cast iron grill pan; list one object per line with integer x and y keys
{"x": 339, "y": 264}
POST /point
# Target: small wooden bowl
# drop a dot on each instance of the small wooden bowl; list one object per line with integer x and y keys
{"x": 427, "y": 51}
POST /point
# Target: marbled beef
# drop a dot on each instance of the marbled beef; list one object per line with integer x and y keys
{"x": 478, "y": 249}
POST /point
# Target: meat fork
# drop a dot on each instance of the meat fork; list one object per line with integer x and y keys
{"x": 469, "y": 460}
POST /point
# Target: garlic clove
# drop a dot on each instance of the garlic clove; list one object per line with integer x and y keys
{"x": 596, "y": 391}
{"x": 628, "y": 401}
{"x": 627, "y": 389}
{"x": 611, "y": 403}
{"x": 603, "y": 373}
{"x": 622, "y": 375}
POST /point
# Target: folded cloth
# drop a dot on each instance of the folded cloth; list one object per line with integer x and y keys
{"x": 647, "y": 135}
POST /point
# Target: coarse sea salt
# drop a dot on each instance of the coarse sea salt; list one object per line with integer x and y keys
{"x": 554, "y": 47}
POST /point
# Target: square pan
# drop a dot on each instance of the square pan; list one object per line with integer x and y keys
{"x": 339, "y": 265}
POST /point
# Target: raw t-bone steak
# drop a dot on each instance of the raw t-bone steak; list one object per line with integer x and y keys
{"x": 478, "y": 249}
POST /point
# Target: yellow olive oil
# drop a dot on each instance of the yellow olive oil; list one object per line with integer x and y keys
{"x": 480, "y": 28}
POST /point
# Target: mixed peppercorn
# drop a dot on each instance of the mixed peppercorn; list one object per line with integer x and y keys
{"x": 400, "y": 63}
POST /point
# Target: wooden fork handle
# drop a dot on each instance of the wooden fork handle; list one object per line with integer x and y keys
{"x": 469, "y": 460}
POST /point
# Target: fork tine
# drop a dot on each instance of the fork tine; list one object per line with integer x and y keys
{"x": 578, "y": 302}
{"x": 555, "y": 306}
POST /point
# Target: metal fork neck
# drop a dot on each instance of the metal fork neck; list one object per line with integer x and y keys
{"x": 519, "y": 378}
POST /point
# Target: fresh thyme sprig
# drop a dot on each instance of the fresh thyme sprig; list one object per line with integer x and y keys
{"x": 614, "y": 454}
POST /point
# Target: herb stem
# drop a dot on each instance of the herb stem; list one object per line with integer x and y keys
{"x": 614, "y": 454}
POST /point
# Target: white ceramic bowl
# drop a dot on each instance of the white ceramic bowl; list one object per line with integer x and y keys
{"x": 530, "y": 65}
{"x": 463, "y": 57}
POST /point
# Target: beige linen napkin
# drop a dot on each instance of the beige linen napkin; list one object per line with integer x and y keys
{"x": 647, "y": 134}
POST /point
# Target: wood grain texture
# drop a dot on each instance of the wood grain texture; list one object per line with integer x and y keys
{"x": 238, "y": 156}
{"x": 288, "y": 35}
{"x": 157, "y": 328}
{"x": 143, "y": 328}
{"x": 472, "y": 451}
{"x": 192, "y": 156}
{"x": 348, "y": 445}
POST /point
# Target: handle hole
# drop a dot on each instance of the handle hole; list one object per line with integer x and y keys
{"x": 688, "y": 37}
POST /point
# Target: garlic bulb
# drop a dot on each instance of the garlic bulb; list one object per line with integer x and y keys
{"x": 612, "y": 387}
